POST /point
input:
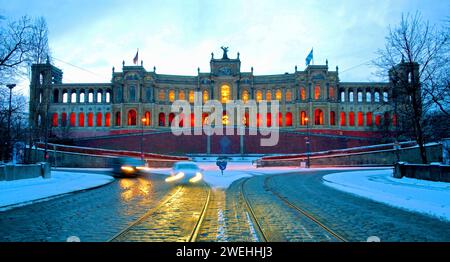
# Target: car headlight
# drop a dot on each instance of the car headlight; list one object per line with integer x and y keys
{"x": 176, "y": 177}
{"x": 127, "y": 168}
{"x": 198, "y": 176}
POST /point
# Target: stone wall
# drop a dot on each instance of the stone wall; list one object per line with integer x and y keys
{"x": 16, "y": 172}
{"x": 374, "y": 158}
{"x": 432, "y": 172}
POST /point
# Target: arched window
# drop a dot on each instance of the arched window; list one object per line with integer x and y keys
{"x": 394, "y": 119}
{"x": 225, "y": 93}
{"x": 171, "y": 117}
{"x": 378, "y": 120}
{"x": 180, "y": 120}
{"x": 132, "y": 93}
{"x": 55, "y": 120}
{"x": 360, "y": 96}
{"x": 288, "y": 95}
{"x": 317, "y": 92}
{"x": 73, "y": 96}
{"x": 318, "y": 117}
{"x": 91, "y": 96}
{"x": 351, "y": 119}
{"x": 99, "y": 96}
{"x": 303, "y": 94}
{"x": 108, "y": 119}
{"x": 118, "y": 119}
{"x": 360, "y": 119}
{"x": 81, "y": 119}
{"x": 204, "y": 118}
{"x": 343, "y": 119}
{"x": 148, "y": 119}
{"x": 191, "y": 96}
{"x": 72, "y": 119}
{"x": 90, "y": 119}
{"x": 108, "y": 96}
{"x": 258, "y": 96}
{"x": 132, "y": 117}
{"x": 65, "y": 96}
{"x": 369, "y": 119}
{"x": 351, "y": 96}
{"x": 387, "y": 119}
{"x": 99, "y": 119}
{"x": 303, "y": 119}
{"x": 331, "y": 92}
{"x": 342, "y": 96}
{"x": 161, "y": 119}
{"x": 56, "y": 96}
{"x": 64, "y": 119}
{"x": 269, "y": 119}
{"x": 205, "y": 96}
{"x": 171, "y": 95}
{"x": 385, "y": 96}
{"x": 245, "y": 96}
{"x": 161, "y": 95}
{"x": 332, "y": 118}
{"x": 288, "y": 119}
{"x": 376, "y": 97}
{"x": 82, "y": 97}
{"x": 268, "y": 95}
{"x": 368, "y": 97}
{"x": 181, "y": 95}
{"x": 280, "y": 119}
{"x": 258, "y": 119}
{"x": 278, "y": 95}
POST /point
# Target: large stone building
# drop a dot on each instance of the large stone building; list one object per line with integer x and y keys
{"x": 316, "y": 93}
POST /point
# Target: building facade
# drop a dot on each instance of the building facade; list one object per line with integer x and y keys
{"x": 314, "y": 97}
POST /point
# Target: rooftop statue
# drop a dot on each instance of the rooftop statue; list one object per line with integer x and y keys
{"x": 225, "y": 51}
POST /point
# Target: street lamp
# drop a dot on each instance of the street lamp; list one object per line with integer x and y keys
{"x": 10, "y": 86}
{"x": 143, "y": 120}
{"x": 307, "y": 142}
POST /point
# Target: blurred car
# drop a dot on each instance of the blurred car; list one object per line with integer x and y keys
{"x": 127, "y": 166}
{"x": 185, "y": 172}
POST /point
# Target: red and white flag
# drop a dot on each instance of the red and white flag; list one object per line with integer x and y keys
{"x": 136, "y": 57}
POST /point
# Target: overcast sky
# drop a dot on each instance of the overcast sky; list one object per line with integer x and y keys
{"x": 179, "y": 36}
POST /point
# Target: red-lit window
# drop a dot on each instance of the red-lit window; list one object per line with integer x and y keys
{"x": 108, "y": 119}
{"x": 378, "y": 120}
{"x": 171, "y": 117}
{"x": 81, "y": 119}
{"x": 369, "y": 119}
{"x": 303, "y": 94}
{"x": 303, "y": 118}
{"x": 90, "y": 119}
{"x": 351, "y": 119}
{"x": 318, "y": 117}
{"x": 317, "y": 92}
{"x": 204, "y": 116}
{"x": 192, "y": 119}
{"x": 55, "y": 119}
{"x": 360, "y": 119}
{"x": 394, "y": 119}
{"x": 72, "y": 119}
{"x": 258, "y": 119}
{"x": 332, "y": 118}
{"x": 180, "y": 120}
{"x": 132, "y": 117}
{"x": 99, "y": 119}
{"x": 269, "y": 120}
{"x": 64, "y": 119}
{"x": 161, "y": 119}
{"x": 343, "y": 120}
{"x": 118, "y": 119}
{"x": 288, "y": 119}
{"x": 148, "y": 118}
{"x": 331, "y": 92}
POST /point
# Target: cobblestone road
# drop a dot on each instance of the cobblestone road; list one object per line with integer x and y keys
{"x": 93, "y": 215}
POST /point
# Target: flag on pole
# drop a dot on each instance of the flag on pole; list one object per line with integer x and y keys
{"x": 136, "y": 57}
{"x": 309, "y": 57}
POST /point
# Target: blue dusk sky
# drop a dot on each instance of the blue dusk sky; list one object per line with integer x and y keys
{"x": 88, "y": 38}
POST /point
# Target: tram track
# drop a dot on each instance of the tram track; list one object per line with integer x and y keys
{"x": 154, "y": 224}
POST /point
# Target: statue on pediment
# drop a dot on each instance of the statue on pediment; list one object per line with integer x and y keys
{"x": 225, "y": 51}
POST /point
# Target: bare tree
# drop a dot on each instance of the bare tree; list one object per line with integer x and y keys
{"x": 416, "y": 57}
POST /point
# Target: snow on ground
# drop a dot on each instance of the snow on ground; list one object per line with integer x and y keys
{"x": 237, "y": 170}
{"x": 26, "y": 191}
{"x": 432, "y": 198}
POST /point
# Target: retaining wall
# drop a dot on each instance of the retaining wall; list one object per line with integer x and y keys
{"x": 16, "y": 172}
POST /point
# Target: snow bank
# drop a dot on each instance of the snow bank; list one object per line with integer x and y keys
{"x": 27, "y": 191}
{"x": 432, "y": 198}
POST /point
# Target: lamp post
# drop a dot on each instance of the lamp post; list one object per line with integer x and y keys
{"x": 10, "y": 86}
{"x": 307, "y": 143}
{"x": 143, "y": 120}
